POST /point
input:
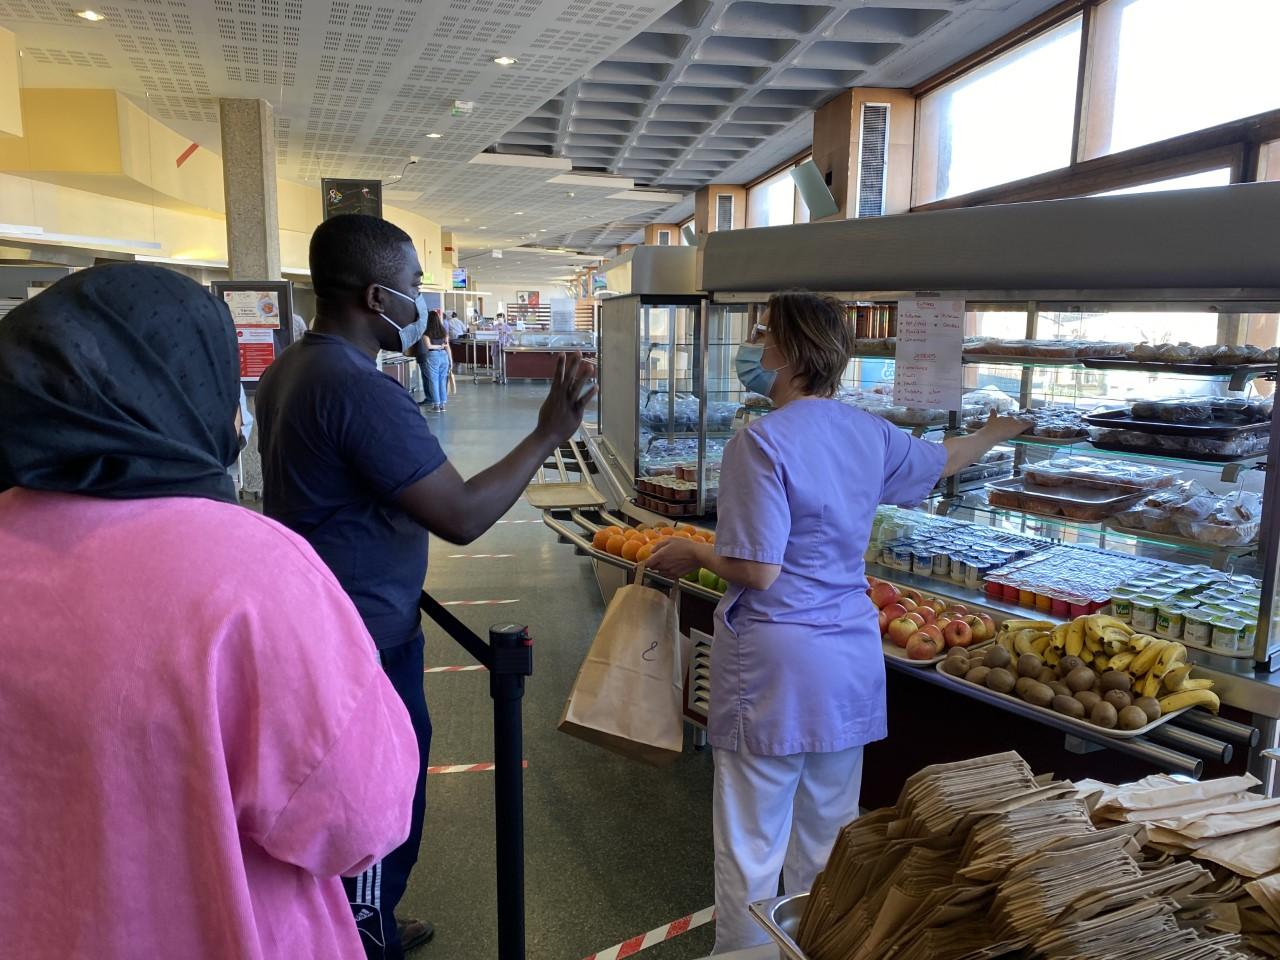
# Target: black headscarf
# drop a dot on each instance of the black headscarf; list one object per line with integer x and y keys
{"x": 120, "y": 381}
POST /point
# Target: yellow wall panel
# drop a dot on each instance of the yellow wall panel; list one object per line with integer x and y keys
{"x": 10, "y": 77}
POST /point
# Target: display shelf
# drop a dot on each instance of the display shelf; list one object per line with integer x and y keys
{"x": 1179, "y": 542}
{"x": 1230, "y": 467}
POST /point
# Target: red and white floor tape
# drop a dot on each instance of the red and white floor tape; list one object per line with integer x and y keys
{"x": 668, "y": 931}
{"x": 469, "y": 768}
{"x": 466, "y": 669}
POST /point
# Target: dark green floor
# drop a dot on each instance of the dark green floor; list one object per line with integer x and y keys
{"x": 613, "y": 848}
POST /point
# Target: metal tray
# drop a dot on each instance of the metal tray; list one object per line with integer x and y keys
{"x": 1195, "y": 369}
{"x": 781, "y": 919}
{"x": 1052, "y": 499}
{"x": 1176, "y": 454}
{"x": 1120, "y": 420}
{"x": 1062, "y": 717}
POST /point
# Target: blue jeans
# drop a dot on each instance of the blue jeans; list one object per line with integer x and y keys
{"x": 437, "y": 377}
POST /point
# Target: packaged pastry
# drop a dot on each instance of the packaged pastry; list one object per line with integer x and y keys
{"x": 1118, "y": 475}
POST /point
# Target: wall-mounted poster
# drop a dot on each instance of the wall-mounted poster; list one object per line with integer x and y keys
{"x": 528, "y": 298}
{"x": 262, "y": 312}
{"x": 459, "y": 278}
{"x": 351, "y": 196}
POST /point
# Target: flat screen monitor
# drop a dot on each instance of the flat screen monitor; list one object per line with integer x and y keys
{"x": 460, "y": 278}
{"x": 351, "y": 196}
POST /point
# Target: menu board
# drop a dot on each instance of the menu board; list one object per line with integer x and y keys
{"x": 351, "y": 196}
{"x": 262, "y": 312}
{"x": 928, "y": 367}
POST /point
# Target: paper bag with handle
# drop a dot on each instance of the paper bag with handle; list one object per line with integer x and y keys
{"x": 627, "y": 696}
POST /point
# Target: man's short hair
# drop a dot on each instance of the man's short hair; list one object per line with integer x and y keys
{"x": 351, "y": 251}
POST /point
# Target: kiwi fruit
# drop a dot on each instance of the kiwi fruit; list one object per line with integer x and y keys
{"x": 955, "y": 666}
{"x": 1068, "y": 705}
{"x": 1088, "y": 699}
{"x": 1103, "y": 714}
{"x": 1069, "y": 663}
{"x": 1038, "y": 694}
{"x": 1029, "y": 665}
{"x": 1081, "y": 678}
{"x": 978, "y": 675}
{"x": 1020, "y": 688}
{"x": 1047, "y": 675}
{"x": 1115, "y": 680}
{"x": 1149, "y": 706}
{"x": 997, "y": 656}
{"x": 1059, "y": 688}
{"x": 1118, "y": 698}
{"x": 1000, "y": 680}
{"x": 1131, "y": 718}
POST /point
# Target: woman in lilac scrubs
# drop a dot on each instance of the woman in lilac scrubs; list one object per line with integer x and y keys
{"x": 797, "y": 674}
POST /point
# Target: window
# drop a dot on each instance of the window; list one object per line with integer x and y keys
{"x": 1008, "y": 119}
{"x": 1219, "y": 177}
{"x": 1167, "y": 67}
{"x": 772, "y": 202}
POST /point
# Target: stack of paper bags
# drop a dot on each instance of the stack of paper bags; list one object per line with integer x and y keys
{"x": 980, "y": 859}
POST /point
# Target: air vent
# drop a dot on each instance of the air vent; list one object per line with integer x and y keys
{"x": 664, "y": 238}
{"x": 871, "y": 160}
{"x": 724, "y": 211}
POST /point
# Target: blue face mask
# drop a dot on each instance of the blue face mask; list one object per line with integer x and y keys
{"x": 752, "y": 371}
{"x": 412, "y": 333}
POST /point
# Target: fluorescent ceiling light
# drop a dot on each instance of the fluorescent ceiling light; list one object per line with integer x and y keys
{"x": 434, "y": 136}
{"x": 520, "y": 160}
{"x": 91, "y": 15}
{"x": 505, "y": 61}
{"x": 648, "y": 196}
{"x": 604, "y": 181}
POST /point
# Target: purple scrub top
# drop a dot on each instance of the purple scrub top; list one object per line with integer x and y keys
{"x": 798, "y": 668}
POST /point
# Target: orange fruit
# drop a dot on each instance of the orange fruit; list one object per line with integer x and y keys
{"x": 634, "y": 535}
{"x": 644, "y": 553}
{"x": 700, "y": 538}
{"x": 711, "y": 538}
{"x": 687, "y": 527}
{"x": 631, "y": 549}
{"x": 651, "y": 535}
{"x": 601, "y": 540}
{"x": 683, "y": 533}
{"x": 615, "y": 545}
{"x": 667, "y": 532}
{"x": 613, "y": 531}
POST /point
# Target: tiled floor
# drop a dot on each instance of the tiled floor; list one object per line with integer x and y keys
{"x": 613, "y": 848}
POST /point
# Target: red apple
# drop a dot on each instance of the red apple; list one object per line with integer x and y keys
{"x": 872, "y": 581}
{"x": 882, "y": 594}
{"x": 957, "y": 633}
{"x": 901, "y": 630}
{"x": 936, "y": 634}
{"x": 921, "y": 646}
{"x": 927, "y": 612}
{"x": 894, "y": 611}
{"x": 939, "y": 606}
{"x": 917, "y": 618}
{"x": 941, "y": 623}
{"x": 957, "y": 610}
{"x": 884, "y": 621}
{"x": 908, "y": 603}
{"x": 912, "y": 595}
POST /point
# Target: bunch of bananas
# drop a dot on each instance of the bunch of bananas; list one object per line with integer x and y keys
{"x": 1157, "y": 668}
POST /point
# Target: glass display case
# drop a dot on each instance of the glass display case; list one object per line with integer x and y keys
{"x": 1144, "y": 480}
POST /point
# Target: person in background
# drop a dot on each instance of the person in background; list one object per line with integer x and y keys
{"x": 436, "y": 361}
{"x": 457, "y": 329}
{"x": 349, "y": 463}
{"x": 504, "y": 331}
{"x": 193, "y": 751}
{"x": 797, "y": 679}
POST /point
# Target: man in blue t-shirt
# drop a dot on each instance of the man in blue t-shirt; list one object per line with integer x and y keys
{"x": 349, "y": 464}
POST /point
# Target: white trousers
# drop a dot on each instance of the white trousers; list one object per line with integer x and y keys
{"x": 775, "y": 816}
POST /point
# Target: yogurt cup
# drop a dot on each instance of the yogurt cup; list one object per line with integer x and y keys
{"x": 1143, "y": 618}
{"x": 1197, "y": 627}
{"x": 1248, "y": 636}
{"x": 1226, "y": 634}
{"x": 1169, "y": 621}
{"x": 1122, "y": 604}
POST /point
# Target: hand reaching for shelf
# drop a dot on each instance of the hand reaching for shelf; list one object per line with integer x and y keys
{"x": 969, "y": 449}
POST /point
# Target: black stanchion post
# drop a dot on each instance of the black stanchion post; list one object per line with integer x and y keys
{"x": 511, "y": 650}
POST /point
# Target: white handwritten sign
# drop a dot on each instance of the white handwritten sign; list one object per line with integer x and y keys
{"x": 928, "y": 371}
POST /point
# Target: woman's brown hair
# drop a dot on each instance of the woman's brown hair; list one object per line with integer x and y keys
{"x": 814, "y": 336}
{"x": 435, "y": 326}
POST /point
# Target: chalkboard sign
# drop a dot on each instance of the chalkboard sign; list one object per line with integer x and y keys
{"x": 351, "y": 196}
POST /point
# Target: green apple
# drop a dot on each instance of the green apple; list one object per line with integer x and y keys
{"x": 692, "y": 577}
{"x": 723, "y": 585}
{"x": 707, "y": 578}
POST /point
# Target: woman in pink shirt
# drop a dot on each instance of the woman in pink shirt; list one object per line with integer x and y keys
{"x": 191, "y": 711}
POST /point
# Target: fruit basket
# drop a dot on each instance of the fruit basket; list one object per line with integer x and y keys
{"x": 898, "y": 653}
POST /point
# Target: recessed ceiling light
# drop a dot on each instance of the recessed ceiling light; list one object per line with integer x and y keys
{"x": 519, "y": 213}
{"x": 93, "y": 16}
{"x": 505, "y": 61}
{"x": 484, "y": 228}
{"x": 434, "y": 136}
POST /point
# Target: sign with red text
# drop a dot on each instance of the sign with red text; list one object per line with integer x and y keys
{"x": 928, "y": 371}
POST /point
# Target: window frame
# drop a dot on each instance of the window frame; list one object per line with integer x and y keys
{"x": 1240, "y": 144}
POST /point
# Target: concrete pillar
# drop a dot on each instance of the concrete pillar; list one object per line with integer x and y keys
{"x": 253, "y": 220}
{"x": 249, "y": 186}
{"x": 837, "y": 147}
